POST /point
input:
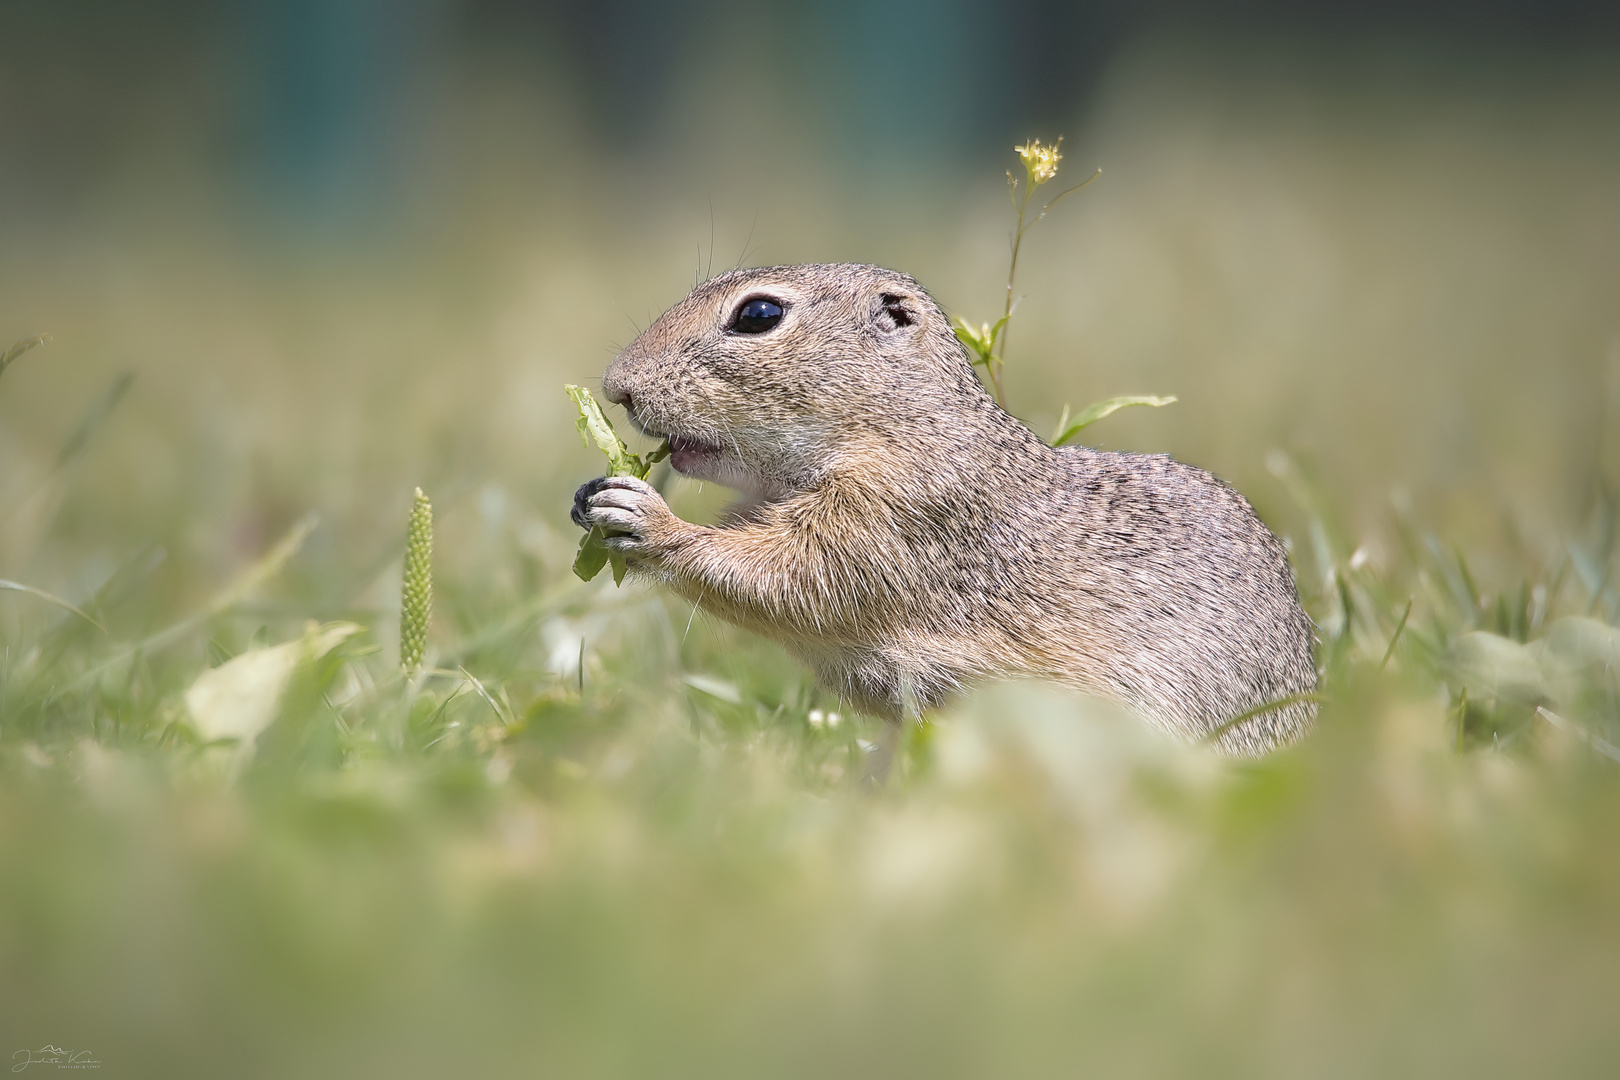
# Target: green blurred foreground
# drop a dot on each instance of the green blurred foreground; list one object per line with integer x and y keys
{"x": 669, "y": 864}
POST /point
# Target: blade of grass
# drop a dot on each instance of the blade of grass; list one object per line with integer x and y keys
{"x": 1259, "y": 710}
{"x": 478, "y": 687}
{"x": 12, "y": 354}
{"x": 1462, "y": 718}
{"x": 261, "y": 571}
{"x": 1396, "y": 636}
{"x": 1601, "y": 745}
{"x": 267, "y": 567}
{"x": 93, "y": 418}
{"x": 1099, "y": 409}
{"x": 15, "y": 586}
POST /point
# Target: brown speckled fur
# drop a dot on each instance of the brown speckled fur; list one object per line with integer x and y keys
{"x": 907, "y": 538}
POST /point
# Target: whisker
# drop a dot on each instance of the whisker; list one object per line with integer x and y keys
{"x": 749, "y": 240}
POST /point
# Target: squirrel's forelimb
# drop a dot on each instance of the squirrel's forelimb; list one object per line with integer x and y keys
{"x": 821, "y": 562}
{"x": 836, "y": 574}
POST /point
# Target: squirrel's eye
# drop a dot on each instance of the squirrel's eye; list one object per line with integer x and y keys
{"x": 757, "y": 316}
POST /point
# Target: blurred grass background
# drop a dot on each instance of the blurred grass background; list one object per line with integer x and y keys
{"x": 306, "y": 256}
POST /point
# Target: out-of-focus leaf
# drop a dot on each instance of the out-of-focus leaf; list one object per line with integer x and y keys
{"x": 1068, "y": 428}
{"x": 1578, "y": 656}
{"x": 1575, "y": 641}
{"x": 239, "y": 699}
{"x": 1492, "y": 666}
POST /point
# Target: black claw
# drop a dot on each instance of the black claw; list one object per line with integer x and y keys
{"x": 582, "y": 498}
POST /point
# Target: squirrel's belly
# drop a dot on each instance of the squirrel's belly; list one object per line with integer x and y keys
{"x": 872, "y": 679}
{"x": 894, "y": 679}
{"x": 1185, "y": 670}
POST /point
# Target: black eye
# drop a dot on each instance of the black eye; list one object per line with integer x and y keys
{"x": 757, "y": 316}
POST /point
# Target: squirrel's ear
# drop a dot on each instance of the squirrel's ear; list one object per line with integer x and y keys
{"x": 895, "y": 312}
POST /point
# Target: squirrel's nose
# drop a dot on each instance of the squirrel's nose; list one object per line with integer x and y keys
{"x": 613, "y": 385}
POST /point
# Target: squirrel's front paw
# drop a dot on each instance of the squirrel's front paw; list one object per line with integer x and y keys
{"x": 629, "y": 511}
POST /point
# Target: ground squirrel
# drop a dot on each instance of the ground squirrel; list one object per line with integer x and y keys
{"x": 906, "y": 537}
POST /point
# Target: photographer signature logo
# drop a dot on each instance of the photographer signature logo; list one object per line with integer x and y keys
{"x": 55, "y": 1057}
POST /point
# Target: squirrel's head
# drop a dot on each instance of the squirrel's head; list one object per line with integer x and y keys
{"x": 765, "y": 379}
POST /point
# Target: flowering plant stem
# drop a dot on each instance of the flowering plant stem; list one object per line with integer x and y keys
{"x": 416, "y": 586}
{"x": 1040, "y": 165}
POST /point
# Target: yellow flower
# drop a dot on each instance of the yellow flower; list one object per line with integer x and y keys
{"x": 1040, "y": 162}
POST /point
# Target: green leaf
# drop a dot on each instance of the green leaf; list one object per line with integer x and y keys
{"x": 239, "y": 699}
{"x": 1491, "y": 666}
{"x": 980, "y": 340}
{"x": 970, "y": 337}
{"x": 594, "y": 427}
{"x": 1068, "y": 429}
{"x": 592, "y": 556}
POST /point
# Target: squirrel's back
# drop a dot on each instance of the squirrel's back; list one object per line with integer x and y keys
{"x": 1194, "y": 594}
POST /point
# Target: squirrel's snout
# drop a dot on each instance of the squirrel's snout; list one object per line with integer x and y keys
{"x": 616, "y": 392}
{"x": 616, "y": 382}
{"x": 616, "y": 388}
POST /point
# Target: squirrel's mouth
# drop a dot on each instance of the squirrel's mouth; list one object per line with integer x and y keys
{"x": 688, "y": 455}
{"x": 692, "y": 457}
